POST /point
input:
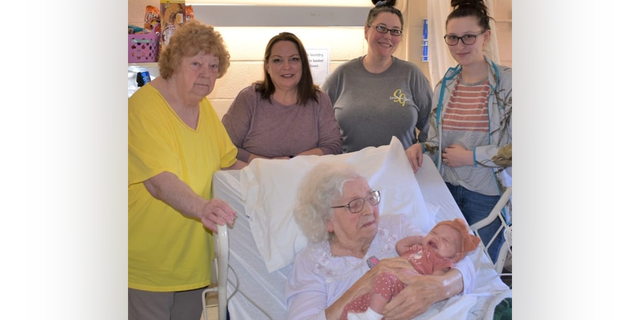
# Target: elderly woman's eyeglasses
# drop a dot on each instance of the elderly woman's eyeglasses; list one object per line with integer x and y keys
{"x": 356, "y": 205}
{"x": 382, "y": 29}
{"x": 468, "y": 39}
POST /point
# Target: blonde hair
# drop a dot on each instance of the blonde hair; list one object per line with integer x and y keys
{"x": 191, "y": 38}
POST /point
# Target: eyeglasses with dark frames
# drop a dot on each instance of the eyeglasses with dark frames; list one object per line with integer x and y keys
{"x": 357, "y": 205}
{"x": 382, "y": 29}
{"x": 468, "y": 39}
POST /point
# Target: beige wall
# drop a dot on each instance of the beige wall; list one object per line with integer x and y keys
{"x": 417, "y": 11}
{"x": 502, "y": 15}
{"x": 246, "y": 45}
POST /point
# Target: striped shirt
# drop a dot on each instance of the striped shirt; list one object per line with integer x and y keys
{"x": 467, "y": 108}
{"x": 466, "y": 122}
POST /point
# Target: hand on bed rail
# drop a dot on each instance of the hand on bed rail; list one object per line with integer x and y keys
{"x": 217, "y": 213}
{"x": 167, "y": 187}
{"x": 414, "y": 153}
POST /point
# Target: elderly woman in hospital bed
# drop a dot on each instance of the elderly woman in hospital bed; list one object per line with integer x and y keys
{"x": 338, "y": 213}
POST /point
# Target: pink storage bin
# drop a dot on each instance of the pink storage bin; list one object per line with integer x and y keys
{"x": 143, "y": 47}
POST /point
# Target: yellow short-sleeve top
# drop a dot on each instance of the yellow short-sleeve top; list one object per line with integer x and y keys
{"x": 167, "y": 251}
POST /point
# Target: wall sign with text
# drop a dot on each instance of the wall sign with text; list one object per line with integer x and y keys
{"x": 319, "y": 62}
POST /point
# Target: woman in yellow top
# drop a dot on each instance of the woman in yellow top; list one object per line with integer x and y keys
{"x": 176, "y": 143}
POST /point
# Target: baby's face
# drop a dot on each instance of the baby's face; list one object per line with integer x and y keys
{"x": 444, "y": 240}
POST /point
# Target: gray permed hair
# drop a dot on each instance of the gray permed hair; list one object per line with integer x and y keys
{"x": 318, "y": 190}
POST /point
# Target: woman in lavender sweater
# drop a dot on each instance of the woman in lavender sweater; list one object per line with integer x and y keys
{"x": 284, "y": 115}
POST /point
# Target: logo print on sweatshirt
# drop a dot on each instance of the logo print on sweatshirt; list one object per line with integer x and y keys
{"x": 399, "y": 97}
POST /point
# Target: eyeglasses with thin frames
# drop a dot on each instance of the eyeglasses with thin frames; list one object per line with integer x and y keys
{"x": 468, "y": 39}
{"x": 357, "y": 205}
{"x": 382, "y": 29}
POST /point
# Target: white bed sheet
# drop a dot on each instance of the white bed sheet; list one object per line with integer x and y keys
{"x": 267, "y": 289}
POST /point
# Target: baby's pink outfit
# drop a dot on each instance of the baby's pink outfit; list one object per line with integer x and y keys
{"x": 423, "y": 260}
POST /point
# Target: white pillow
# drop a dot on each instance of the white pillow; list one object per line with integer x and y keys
{"x": 269, "y": 190}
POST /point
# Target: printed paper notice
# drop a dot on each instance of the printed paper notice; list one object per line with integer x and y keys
{"x": 319, "y": 62}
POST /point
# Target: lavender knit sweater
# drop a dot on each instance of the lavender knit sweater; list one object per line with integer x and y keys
{"x": 271, "y": 129}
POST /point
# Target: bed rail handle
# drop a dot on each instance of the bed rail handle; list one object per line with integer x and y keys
{"x": 222, "y": 263}
{"x": 506, "y": 196}
{"x": 496, "y": 213}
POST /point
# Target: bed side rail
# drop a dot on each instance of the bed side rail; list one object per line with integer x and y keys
{"x": 496, "y": 214}
{"x": 221, "y": 265}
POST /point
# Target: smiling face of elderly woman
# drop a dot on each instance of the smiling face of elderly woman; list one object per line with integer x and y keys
{"x": 353, "y": 232}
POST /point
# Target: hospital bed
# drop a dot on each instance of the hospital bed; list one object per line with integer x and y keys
{"x": 505, "y": 229}
{"x": 252, "y": 267}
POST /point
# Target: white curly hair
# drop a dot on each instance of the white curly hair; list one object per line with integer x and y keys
{"x": 318, "y": 190}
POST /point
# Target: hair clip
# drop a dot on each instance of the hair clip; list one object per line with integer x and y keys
{"x": 381, "y": 3}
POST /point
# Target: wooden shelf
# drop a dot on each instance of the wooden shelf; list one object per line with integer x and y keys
{"x": 144, "y": 64}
